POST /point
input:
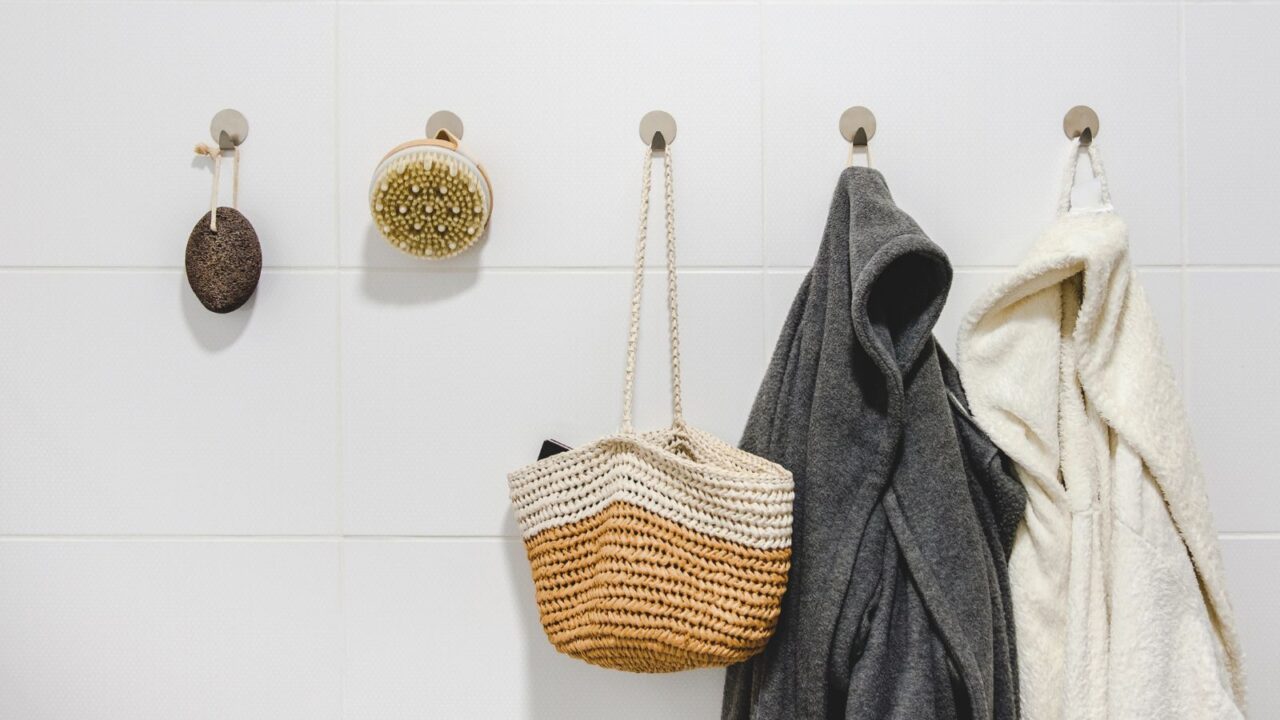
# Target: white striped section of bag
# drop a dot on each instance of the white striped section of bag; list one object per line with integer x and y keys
{"x": 715, "y": 489}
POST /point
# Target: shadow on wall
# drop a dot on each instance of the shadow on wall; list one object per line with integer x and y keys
{"x": 214, "y": 332}
{"x": 453, "y": 275}
{"x": 564, "y": 688}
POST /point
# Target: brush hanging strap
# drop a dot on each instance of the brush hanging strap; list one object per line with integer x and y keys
{"x": 216, "y": 154}
{"x": 1069, "y": 176}
{"x": 677, "y": 411}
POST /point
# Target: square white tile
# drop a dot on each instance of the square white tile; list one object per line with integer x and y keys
{"x": 1234, "y": 397}
{"x": 969, "y": 100}
{"x": 141, "y": 630}
{"x": 129, "y": 408}
{"x": 780, "y": 288}
{"x": 1253, "y": 577}
{"x": 106, "y": 100}
{"x": 551, "y": 97}
{"x": 1232, "y": 156}
{"x": 449, "y": 629}
{"x": 452, "y": 380}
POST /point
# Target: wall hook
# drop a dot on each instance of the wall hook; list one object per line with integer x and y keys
{"x": 857, "y": 127}
{"x": 657, "y": 130}
{"x": 444, "y": 125}
{"x": 229, "y": 128}
{"x": 1081, "y": 122}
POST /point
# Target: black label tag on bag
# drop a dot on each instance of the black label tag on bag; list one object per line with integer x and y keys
{"x": 551, "y": 447}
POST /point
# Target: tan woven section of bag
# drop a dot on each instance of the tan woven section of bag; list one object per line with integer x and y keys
{"x": 657, "y": 551}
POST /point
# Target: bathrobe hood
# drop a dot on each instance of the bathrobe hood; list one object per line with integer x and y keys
{"x": 895, "y": 594}
{"x": 1118, "y": 589}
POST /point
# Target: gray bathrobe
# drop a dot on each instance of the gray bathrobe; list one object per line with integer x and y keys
{"x": 897, "y": 604}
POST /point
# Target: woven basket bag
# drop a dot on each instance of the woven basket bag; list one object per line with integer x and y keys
{"x": 657, "y": 551}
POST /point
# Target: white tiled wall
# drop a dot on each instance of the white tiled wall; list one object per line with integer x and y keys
{"x": 299, "y": 509}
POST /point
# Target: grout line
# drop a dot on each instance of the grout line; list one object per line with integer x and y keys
{"x": 649, "y": 3}
{"x": 338, "y": 457}
{"x": 785, "y": 3}
{"x": 299, "y": 538}
{"x": 1232, "y": 268}
{"x": 713, "y": 3}
{"x": 983, "y": 3}
{"x": 159, "y": 269}
{"x": 337, "y": 249}
{"x": 557, "y": 269}
{"x": 342, "y": 628}
{"x": 125, "y": 537}
{"x": 1184, "y": 279}
{"x": 566, "y": 269}
{"x": 1231, "y": 535}
{"x": 766, "y": 351}
{"x": 432, "y": 538}
{"x": 341, "y": 540}
{"x": 574, "y": 3}
{"x": 350, "y": 269}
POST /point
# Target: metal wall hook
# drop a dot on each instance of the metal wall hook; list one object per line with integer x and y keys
{"x": 443, "y": 121}
{"x": 858, "y": 125}
{"x": 657, "y": 129}
{"x": 1081, "y": 122}
{"x": 229, "y": 128}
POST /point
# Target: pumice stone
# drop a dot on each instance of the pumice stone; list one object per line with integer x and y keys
{"x": 223, "y": 265}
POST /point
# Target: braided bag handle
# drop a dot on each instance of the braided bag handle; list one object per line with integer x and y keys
{"x": 637, "y": 287}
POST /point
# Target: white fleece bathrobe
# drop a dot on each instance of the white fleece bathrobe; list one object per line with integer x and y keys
{"x": 1119, "y": 601}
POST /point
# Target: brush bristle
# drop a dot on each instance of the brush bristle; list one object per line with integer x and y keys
{"x": 429, "y": 204}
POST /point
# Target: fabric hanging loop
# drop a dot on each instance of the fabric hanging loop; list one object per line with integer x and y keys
{"x": 1069, "y": 175}
{"x": 866, "y": 150}
{"x": 637, "y": 287}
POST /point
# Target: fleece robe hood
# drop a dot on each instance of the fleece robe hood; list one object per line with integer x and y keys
{"x": 1119, "y": 598}
{"x": 894, "y": 606}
